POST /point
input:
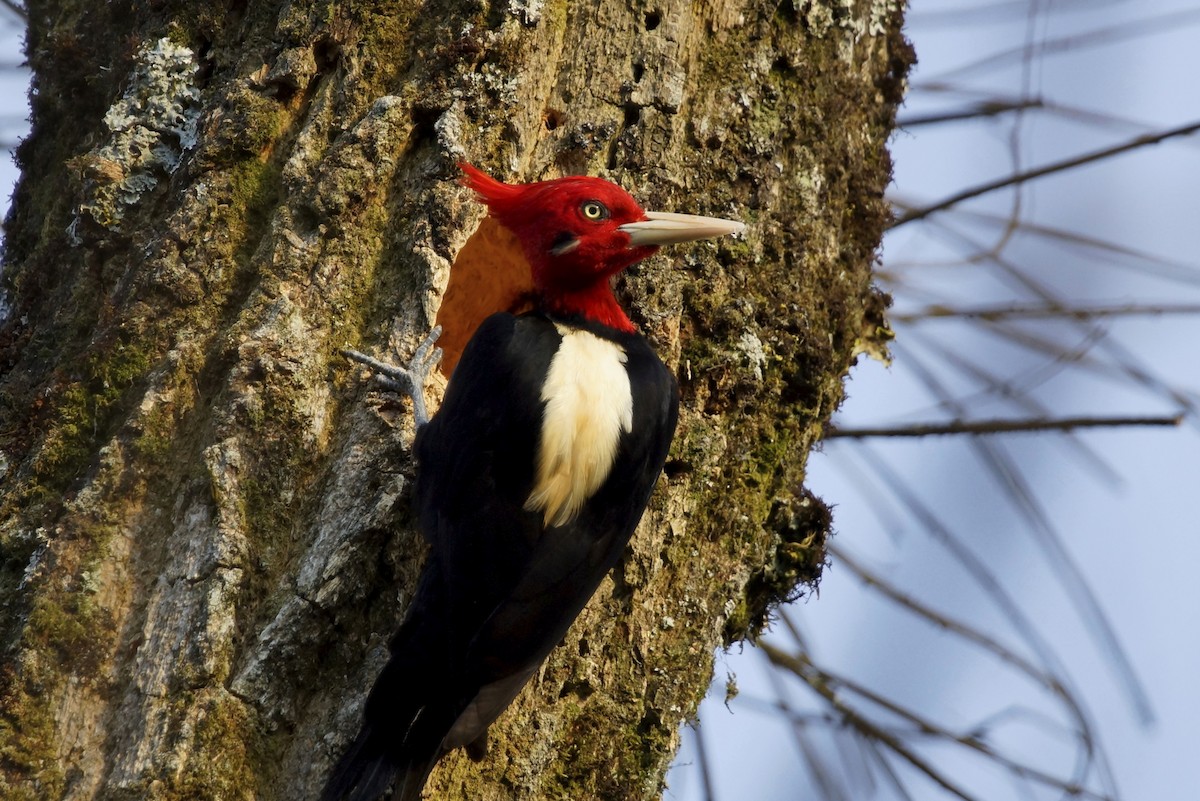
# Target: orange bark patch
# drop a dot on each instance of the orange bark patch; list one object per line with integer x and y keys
{"x": 489, "y": 275}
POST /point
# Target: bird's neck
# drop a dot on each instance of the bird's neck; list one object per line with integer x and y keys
{"x": 596, "y": 303}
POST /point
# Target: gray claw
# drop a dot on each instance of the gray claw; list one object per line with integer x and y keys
{"x": 408, "y": 380}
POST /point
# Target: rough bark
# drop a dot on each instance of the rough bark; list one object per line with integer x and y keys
{"x": 205, "y": 538}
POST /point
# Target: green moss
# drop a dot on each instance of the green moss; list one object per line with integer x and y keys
{"x": 587, "y": 768}
{"x": 83, "y": 411}
{"x": 71, "y": 631}
{"x": 250, "y": 127}
{"x": 220, "y": 766}
{"x": 157, "y": 440}
{"x": 86, "y": 404}
{"x": 161, "y": 424}
{"x": 68, "y": 445}
{"x": 68, "y": 632}
{"x": 799, "y": 525}
{"x": 254, "y": 190}
{"x": 28, "y": 739}
{"x": 270, "y": 515}
{"x": 101, "y": 318}
{"x": 63, "y": 627}
{"x": 799, "y": 282}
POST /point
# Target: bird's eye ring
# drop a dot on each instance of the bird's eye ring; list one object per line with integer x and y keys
{"x": 594, "y": 210}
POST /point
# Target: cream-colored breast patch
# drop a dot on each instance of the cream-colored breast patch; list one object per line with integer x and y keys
{"x": 588, "y": 404}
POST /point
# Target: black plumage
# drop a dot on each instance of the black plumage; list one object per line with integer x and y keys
{"x": 500, "y": 588}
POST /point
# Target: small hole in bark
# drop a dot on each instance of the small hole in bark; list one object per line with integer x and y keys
{"x": 552, "y": 118}
{"x": 424, "y": 120}
{"x": 633, "y": 114}
{"x": 677, "y": 467}
{"x": 326, "y": 53}
{"x": 207, "y": 65}
{"x": 653, "y": 18}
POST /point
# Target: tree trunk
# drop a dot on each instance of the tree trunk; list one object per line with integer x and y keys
{"x": 206, "y": 539}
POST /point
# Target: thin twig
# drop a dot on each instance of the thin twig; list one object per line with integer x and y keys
{"x": 852, "y": 717}
{"x": 1126, "y": 364}
{"x": 999, "y": 426}
{"x": 979, "y": 571}
{"x": 968, "y": 633}
{"x": 1049, "y": 169}
{"x": 1170, "y": 269}
{"x": 1018, "y": 390}
{"x": 979, "y": 110}
{"x": 1120, "y": 31}
{"x": 1009, "y": 475}
{"x": 828, "y": 785}
{"x": 1039, "y": 311}
{"x": 827, "y": 685}
{"x": 706, "y": 779}
{"x": 964, "y": 15}
{"x": 16, "y": 8}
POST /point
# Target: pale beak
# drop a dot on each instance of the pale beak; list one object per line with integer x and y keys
{"x": 664, "y": 228}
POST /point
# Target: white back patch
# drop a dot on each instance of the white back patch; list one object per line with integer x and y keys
{"x": 588, "y": 404}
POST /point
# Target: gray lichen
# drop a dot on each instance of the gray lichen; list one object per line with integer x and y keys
{"x": 529, "y": 11}
{"x": 881, "y": 13}
{"x": 752, "y": 350}
{"x": 823, "y": 15}
{"x": 151, "y": 127}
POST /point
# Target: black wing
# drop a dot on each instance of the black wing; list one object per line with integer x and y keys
{"x": 500, "y": 589}
{"x": 515, "y": 585}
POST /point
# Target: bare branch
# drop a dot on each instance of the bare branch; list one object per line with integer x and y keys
{"x": 976, "y": 568}
{"x": 820, "y": 769}
{"x": 1067, "y": 44}
{"x": 17, "y": 9}
{"x": 1018, "y": 390}
{"x": 979, "y": 110}
{"x": 705, "y": 764}
{"x": 827, "y": 685}
{"x": 1044, "y": 311}
{"x": 999, "y": 426}
{"x": 1029, "y": 175}
{"x": 1010, "y": 477}
{"x": 985, "y": 13}
{"x": 1124, "y": 363}
{"x": 958, "y": 628}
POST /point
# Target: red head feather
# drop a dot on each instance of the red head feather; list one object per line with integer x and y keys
{"x": 577, "y": 232}
{"x": 569, "y": 229}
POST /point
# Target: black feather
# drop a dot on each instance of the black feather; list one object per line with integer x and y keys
{"x": 363, "y": 773}
{"x": 499, "y": 589}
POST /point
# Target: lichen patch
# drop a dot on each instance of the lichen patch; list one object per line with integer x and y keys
{"x": 151, "y": 127}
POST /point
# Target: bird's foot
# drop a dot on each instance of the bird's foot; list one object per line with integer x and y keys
{"x": 411, "y": 378}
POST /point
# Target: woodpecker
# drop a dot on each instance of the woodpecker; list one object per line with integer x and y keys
{"x": 531, "y": 476}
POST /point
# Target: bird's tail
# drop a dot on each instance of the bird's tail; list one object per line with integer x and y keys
{"x": 406, "y": 715}
{"x": 372, "y": 764}
{"x": 364, "y": 772}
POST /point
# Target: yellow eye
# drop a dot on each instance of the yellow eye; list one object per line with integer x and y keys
{"x": 594, "y": 210}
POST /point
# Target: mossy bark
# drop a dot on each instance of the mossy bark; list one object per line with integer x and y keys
{"x": 205, "y": 537}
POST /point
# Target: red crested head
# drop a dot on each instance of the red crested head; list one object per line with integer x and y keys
{"x": 578, "y": 232}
